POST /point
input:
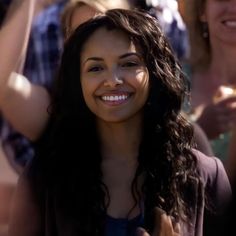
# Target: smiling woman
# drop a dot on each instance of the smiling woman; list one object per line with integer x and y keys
{"x": 131, "y": 166}
{"x": 115, "y": 84}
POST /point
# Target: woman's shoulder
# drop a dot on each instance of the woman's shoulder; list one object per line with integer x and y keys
{"x": 215, "y": 180}
{"x": 208, "y": 166}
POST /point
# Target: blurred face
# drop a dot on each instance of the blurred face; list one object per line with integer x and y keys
{"x": 82, "y": 14}
{"x": 221, "y": 18}
{"x": 114, "y": 77}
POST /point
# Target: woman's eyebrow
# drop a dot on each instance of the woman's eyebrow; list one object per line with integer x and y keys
{"x": 130, "y": 54}
{"x": 121, "y": 57}
{"x": 93, "y": 59}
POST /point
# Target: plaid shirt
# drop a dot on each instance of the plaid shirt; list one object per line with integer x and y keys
{"x": 173, "y": 26}
{"x": 45, "y": 46}
{"x": 43, "y": 56}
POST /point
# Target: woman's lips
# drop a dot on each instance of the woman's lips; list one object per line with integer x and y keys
{"x": 116, "y": 98}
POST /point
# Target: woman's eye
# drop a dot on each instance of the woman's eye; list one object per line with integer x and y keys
{"x": 95, "y": 69}
{"x": 130, "y": 64}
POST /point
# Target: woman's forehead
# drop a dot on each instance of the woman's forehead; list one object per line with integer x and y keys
{"x": 114, "y": 39}
{"x": 110, "y": 51}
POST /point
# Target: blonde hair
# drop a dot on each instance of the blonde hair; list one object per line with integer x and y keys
{"x": 200, "y": 55}
{"x": 99, "y": 5}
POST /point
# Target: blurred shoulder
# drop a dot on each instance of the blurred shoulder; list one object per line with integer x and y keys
{"x": 214, "y": 178}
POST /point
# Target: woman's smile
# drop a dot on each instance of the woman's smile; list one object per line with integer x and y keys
{"x": 117, "y": 98}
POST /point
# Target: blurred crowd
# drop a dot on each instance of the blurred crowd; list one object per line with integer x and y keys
{"x": 202, "y": 34}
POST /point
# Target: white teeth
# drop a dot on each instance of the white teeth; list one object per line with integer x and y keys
{"x": 230, "y": 23}
{"x": 114, "y": 98}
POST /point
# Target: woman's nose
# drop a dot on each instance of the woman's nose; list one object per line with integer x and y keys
{"x": 113, "y": 79}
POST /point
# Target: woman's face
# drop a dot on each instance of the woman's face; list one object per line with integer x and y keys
{"x": 114, "y": 77}
{"x": 220, "y": 16}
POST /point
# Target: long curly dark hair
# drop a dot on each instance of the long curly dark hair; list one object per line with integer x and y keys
{"x": 2, "y": 12}
{"x": 69, "y": 153}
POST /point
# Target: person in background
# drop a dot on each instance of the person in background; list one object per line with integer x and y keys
{"x": 15, "y": 20}
{"x": 116, "y": 108}
{"x": 18, "y": 14}
{"x": 167, "y": 12}
{"x": 45, "y": 45}
{"x": 16, "y": 146}
{"x": 213, "y": 72}
{"x": 78, "y": 11}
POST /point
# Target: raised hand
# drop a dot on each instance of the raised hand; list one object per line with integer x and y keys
{"x": 217, "y": 118}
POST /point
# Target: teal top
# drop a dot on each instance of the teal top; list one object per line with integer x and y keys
{"x": 123, "y": 227}
{"x": 220, "y": 146}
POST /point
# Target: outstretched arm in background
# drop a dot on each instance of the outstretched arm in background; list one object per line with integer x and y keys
{"x": 22, "y": 103}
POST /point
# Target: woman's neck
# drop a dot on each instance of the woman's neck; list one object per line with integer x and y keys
{"x": 221, "y": 71}
{"x": 223, "y": 62}
{"x": 120, "y": 141}
{"x": 120, "y": 146}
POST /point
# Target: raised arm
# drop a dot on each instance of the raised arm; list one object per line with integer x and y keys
{"x": 25, "y": 218}
{"x": 14, "y": 35}
{"x": 23, "y": 104}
